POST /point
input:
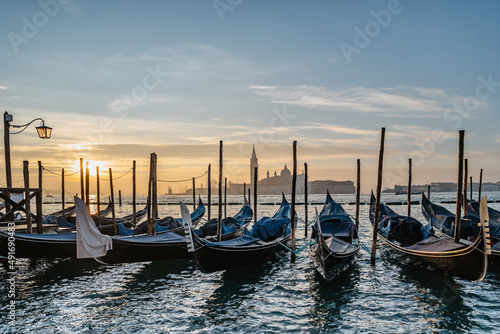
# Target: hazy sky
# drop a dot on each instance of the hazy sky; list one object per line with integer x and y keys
{"x": 118, "y": 80}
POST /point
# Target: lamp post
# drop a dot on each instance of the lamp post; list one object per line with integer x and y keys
{"x": 43, "y": 131}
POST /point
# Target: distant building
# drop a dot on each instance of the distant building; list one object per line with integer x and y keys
{"x": 334, "y": 187}
{"x": 281, "y": 183}
{"x": 489, "y": 186}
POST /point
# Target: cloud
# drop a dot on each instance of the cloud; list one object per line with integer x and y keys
{"x": 340, "y": 129}
{"x": 401, "y": 101}
{"x": 195, "y": 62}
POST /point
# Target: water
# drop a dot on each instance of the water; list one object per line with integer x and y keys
{"x": 69, "y": 296}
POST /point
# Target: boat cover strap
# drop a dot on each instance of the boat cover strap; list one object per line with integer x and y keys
{"x": 164, "y": 237}
{"x": 48, "y": 236}
{"x": 245, "y": 240}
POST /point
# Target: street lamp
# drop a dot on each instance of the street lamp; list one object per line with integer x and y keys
{"x": 43, "y": 131}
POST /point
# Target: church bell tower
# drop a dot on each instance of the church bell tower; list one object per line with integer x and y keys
{"x": 254, "y": 162}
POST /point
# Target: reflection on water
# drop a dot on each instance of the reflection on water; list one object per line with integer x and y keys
{"x": 441, "y": 297}
{"x": 330, "y": 298}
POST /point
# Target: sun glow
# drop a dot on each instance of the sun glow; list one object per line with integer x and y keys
{"x": 93, "y": 164}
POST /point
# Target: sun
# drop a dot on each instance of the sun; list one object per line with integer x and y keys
{"x": 93, "y": 164}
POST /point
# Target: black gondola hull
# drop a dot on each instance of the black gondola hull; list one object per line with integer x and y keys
{"x": 332, "y": 264}
{"x": 210, "y": 259}
{"x": 125, "y": 251}
{"x": 26, "y": 247}
{"x": 470, "y": 263}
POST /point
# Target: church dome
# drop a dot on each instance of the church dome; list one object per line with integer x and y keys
{"x": 286, "y": 172}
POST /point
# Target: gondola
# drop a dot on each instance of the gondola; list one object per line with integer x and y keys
{"x": 169, "y": 245}
{"x": 494, "y": 215}
{"x": 331, "y": 240}
{"x": 165, "y": 224}
{"x": 444, "y": 221}
{"x": 417, "y": 245}
{"x": 263, "y": 241}
{"x": 125, "y": 249}
{"x": 70, "y": 210}
{"x": 107, "y": 211}
{"x": 105, "y": 224}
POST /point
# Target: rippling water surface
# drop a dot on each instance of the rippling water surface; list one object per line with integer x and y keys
{"x": 68, "y": 296}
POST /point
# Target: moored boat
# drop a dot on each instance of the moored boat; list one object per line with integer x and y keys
{"x": 262, "y": 241}
{"x": 331, "y": 240}
{"x": 417, "y": 245}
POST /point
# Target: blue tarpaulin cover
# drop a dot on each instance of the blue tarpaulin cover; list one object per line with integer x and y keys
{"x": 334, "y": 221}
{"x": 229, "y": 224}
{"x": 49, "y": 236}
{"x": 406, "y": 230}
{"x": 162, "y": 225}
{"x": 270, "y": 228}
{"x": 164, "y": 237}
{"x": 443, "y": 220}
{"x": 266, "y": 229}
{"x": 473, "y": 209}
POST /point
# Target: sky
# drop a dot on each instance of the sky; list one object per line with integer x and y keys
{"x": 118, "y": 80}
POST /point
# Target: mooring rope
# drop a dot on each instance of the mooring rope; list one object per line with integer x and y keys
{"x": 299, "y": 249}
{"x": 196, "y": 177}
{"x": 360, "y": 243}
{"x": 59, "y": 174}
{"x": 114, "y": 178}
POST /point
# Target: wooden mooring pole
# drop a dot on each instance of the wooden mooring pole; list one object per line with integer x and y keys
{"x": 209, "y": 191}
{"x": 194, "y": 194}
{"x": 81, "y": 180}
{"x": 63, "y": 199}
{"x": 87, "y": 186}
{"x": 466, "y": 176}
{"x": 26, "y": 174}
{"x": 155, "y": 193}
{"x": 134, "y": 193}
{"x": 98, "y": 190}
{"x": 113, "y": 213}
{"x": 480, "y": 185}
{"x": 306, "y": 219}
{"x": 408, "y": 200}
{"x": 219, "y": 213}
{"x": 294, "y": 189}
{"x": 39, "y": 214}
{"x": 358, "y": 191}
{"x": 470, "y": 189}
{"x": 458, "y": 212}
{"x": 379, "y": 190}
{"x": 225, "y": 197}
{"x": 148, "y": 200}
{"x": 255, "y": 183}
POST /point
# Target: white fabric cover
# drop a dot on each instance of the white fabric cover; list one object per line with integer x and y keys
{"x": 90, "y": 242}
